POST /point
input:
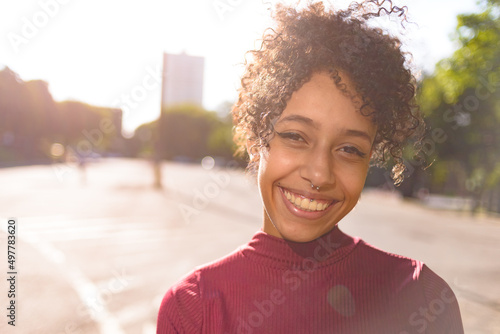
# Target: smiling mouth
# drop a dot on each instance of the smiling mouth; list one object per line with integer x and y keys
{"x": 306, "y": 204}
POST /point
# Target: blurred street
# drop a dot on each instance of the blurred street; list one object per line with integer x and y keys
{"x": 97, "y": 247}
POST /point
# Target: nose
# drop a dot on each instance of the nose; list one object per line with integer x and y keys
{"x": 317, "y": 168}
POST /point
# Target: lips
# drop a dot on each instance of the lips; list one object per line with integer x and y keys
{"x": 305, "y": 203}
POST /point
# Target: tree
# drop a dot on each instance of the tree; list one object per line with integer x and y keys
{"x": 462, "y": 102}
{"x": 188, "y": 132}
{"x": 31, "y": 121}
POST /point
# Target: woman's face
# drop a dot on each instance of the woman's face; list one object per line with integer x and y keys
{"x": 320, "y": 139}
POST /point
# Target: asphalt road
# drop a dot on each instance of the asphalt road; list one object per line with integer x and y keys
{"x": 96, "y": 249}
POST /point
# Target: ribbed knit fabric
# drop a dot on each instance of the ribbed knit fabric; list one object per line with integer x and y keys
{"x": 335, "y": 284}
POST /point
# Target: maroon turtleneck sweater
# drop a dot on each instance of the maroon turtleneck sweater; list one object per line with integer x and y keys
{"x": 335, "y": 284}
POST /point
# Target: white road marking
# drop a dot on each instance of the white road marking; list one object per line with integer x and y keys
{"x": 84, "y": 287}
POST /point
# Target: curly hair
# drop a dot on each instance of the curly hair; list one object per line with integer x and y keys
{"x": 341, "y": 42}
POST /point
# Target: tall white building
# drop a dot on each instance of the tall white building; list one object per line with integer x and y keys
{"x": 182, "y": 79}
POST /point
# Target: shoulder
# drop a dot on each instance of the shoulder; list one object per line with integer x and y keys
{"x": 441, "y": 310}
{"x": 385, "y": 262}
{"x": 181, "y": 310}
{"x": 437, "y": 309}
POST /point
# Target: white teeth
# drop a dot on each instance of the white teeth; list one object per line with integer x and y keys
{"x": 305, "y": 203}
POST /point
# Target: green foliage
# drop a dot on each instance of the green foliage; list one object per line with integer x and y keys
{"x": 462, "y": 98}
{"x": 187, "y": 132}
{"x": 220, "y": 142}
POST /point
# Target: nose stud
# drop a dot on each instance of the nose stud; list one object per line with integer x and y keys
{"x": 313, "y": 186}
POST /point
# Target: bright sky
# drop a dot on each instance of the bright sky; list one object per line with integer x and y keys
{"x": 99, "y": 51}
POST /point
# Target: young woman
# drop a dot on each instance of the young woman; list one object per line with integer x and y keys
{"x": 324, "y": 96}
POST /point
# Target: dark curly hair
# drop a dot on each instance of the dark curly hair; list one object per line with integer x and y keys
{"x": 341, "y": 42}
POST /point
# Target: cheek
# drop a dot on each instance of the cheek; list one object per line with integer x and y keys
{"x": 276, "y": 163}
{"x": 261, "y": 172}
{"x": 354, "y": 180}
{"x": 265, "y": 173}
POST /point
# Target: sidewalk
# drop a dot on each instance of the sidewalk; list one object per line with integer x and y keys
{"x": 111, "y": 247}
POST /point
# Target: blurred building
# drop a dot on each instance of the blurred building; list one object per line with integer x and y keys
{"x": 182, "y": 79}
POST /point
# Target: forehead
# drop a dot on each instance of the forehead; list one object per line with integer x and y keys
{"x": 320, "y": 104}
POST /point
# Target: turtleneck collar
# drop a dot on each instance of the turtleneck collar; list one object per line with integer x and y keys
{"x": 279, "y": 253}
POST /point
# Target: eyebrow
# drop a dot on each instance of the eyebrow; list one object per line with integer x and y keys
{"x": 300, "y": 119}
{"x": 357, "y": 133}
{"x": 311, "y": 123}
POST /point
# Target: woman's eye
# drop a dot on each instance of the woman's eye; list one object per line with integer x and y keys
{"x": 290, "y": 135}
{"x": 353, "y": 150}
